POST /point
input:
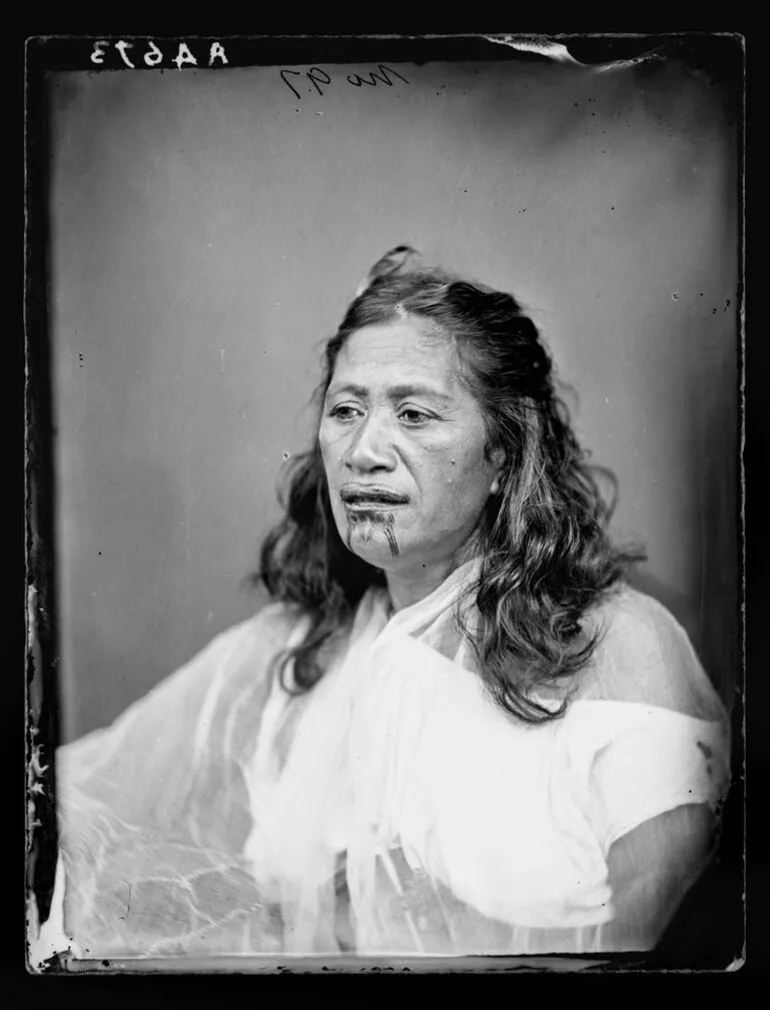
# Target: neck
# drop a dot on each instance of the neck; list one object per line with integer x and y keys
{"x": 407, "y": 587}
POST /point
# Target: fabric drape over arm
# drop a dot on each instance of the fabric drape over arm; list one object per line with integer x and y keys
{"x": 154, "y": 811}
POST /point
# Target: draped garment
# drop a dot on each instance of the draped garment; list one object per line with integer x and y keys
{"x": 394, "y": 808}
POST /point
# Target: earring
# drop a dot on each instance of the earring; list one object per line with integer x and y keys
{"x": 495, "y": 486}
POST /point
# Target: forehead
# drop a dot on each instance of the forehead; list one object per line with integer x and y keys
{"x": 405, "y": 350}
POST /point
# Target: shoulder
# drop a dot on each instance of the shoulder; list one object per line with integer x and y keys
{"x": 271, "y": 629}
{"x": 636, "y": 626}
{"x": 197, "y": 726}
{"x": 236, "y": 661}
{"x": 644, "y": 655}
{"x": 245, "y": 651}
{"x": 254, "y": 642}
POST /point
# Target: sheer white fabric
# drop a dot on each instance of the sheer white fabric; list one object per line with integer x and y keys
{"x": 394, "y": 808}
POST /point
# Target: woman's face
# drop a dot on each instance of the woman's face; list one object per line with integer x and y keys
{"x": 404, "y": 447}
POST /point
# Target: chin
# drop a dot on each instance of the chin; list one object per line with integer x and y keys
{"x": 379, "y": 556}
{"x": 374, "y": 542}
{"x": 384, "y": 563}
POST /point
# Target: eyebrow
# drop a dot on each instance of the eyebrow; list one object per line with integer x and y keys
{"x": 401, "y": 392}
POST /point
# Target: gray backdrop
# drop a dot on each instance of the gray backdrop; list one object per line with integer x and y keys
{"x": 208, "y": 230}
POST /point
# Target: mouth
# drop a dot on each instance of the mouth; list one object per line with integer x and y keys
{"x": 371, "y": 498}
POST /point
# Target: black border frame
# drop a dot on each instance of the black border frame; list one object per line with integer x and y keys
{"x": 721, "y": 55}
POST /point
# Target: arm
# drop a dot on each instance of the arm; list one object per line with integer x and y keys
{"x": 650, "y": 870}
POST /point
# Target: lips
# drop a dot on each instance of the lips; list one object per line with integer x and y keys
{"x": 362, "y": 496}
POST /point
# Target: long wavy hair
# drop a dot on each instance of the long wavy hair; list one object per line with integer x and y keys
{"x": 546, "y": 557}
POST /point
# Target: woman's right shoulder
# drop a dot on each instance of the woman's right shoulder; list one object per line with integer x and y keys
{"x": 188, "y": 732}
{"x": 251, "y": 644}
{"x": 245, "y": 651}
{"x": 270, "y": 630}
{"x": 235, "y": 663}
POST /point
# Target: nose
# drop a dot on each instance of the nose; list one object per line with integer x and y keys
{"x": 371, "y": 447}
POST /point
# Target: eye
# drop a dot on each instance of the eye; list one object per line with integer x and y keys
{"x": 413, "y": 418}
{"x": 344, "y": 412}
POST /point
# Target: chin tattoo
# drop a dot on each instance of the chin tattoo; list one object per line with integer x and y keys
{"x": 367, "y": 524}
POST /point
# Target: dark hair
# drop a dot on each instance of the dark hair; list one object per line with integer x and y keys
{"x": 545, "y": 553}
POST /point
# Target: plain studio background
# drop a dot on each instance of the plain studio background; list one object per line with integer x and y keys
{"x": 208, "y": 231}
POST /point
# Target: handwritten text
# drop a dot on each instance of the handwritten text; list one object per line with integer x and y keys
{"x": 320, "y": 79}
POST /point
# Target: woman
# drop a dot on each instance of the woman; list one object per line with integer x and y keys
{"x": 455, "y": 729}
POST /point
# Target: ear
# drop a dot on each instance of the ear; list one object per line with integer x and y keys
{"x": 496, "y": 456}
